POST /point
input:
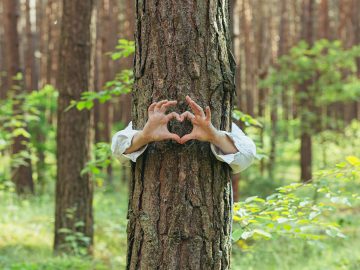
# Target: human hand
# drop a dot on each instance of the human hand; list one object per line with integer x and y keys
{"x": 155, "y": 128}
{"x": 203, "y": 130}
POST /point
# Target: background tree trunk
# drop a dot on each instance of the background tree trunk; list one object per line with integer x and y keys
{"x": 74, "y": 190}
{"x": 180, "y": 197}
{"x": 306, "y": 102}
{"x": 21, "y": 174}
{"x": 3, "y": 77}
{"x": 31, "y": 78}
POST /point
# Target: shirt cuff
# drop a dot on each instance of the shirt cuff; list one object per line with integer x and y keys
{"x": 242, "y": 159}
{"x": 122, "y": 141}
{"x": 227, "y": 158}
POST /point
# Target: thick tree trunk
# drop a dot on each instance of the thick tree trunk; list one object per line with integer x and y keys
{"x": 21, "y": 174}
{"x": 180, "y": 197}
{"x": 73, "y": 189}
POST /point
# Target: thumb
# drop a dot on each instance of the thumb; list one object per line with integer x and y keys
{"x": 187, "y": 137}
{"x": 174, "y": 137}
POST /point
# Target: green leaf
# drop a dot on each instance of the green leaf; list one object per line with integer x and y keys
{"x": 236, "y": 234}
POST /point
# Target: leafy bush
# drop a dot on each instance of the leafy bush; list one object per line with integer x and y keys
{"x": 300, "y": 210}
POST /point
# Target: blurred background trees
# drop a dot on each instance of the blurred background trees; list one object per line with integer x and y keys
{"x": 297, "y": 95}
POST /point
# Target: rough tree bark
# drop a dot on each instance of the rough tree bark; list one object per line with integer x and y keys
{"x": 180, "y": 199}
{"x": 73, "y": 189}
{"x": 21, "y": 174}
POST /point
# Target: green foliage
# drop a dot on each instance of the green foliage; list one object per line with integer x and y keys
{"x": 75, "y": 240}
{"x": 124, "y": 48}
{"x": 36, "y": 110}
{"x": 328, "y": 69}
{"x": 26, "y": 239}
{"x": 300, "y": 210}
{"x": 121, "y": 84}
{"x": 247, "y": 119}
{"x": 102, "y": 158}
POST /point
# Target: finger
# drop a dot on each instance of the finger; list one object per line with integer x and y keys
{"x": 195, "y": 107}
{"x": 186, "y": 138}
{"x": 208, "y": 113}
{"x": 174, "y": 137}
{"x": 187, "y": 115}
{"x": 151, "y": 107}
{"x": 173, "y": 115}
{"x": 167, "y": 104}
{"x": 159, "y": 104}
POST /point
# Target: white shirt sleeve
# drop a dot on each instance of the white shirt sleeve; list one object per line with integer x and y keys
{"x": 121, "y": 141}
{"x": 238, "y": 161}
{"x": 246, "y": 150}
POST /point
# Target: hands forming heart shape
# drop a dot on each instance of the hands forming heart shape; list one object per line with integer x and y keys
{"x": 156, "y": 127}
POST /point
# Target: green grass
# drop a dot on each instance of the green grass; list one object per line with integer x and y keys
{"x": 26, "y": 225}
{"x": 26, "y": 238}
{"x": 26, "y": 234}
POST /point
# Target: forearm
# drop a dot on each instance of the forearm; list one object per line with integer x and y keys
{"x": 138, "y": 141}
{"x": 223, "y": 142}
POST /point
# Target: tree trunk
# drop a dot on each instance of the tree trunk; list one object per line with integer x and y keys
{"x": 283, "y": 48}
{"x": 31, "y": 78}
{"x": 21, "y": 174}
{"x": 306, "y": 100}
{"x": 356, "y": 20}
{"x": 103, "y": 116}
{"x": 180, "y": 199}
{"x": 103, "y": 113}
{"x": 324, "y": 20}
{"x": 123, "y": 110}
{"x": 74, "y": 190}
{"x": 3, "y": 77}
{"x": 249, "y": 56}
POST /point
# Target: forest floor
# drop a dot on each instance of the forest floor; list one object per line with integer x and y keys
{"x": 26, "y": 238}
{"x": 26, "y": 225}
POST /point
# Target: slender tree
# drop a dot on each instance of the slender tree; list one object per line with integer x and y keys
{"x": 3, "y": 79}
{"x": 249, "y": 56}
{"x": 74, "y": 189}
{"x": 180, "y": 196}
{"x": 21, "y": 173}
{"x": 127, "y": 32}
{"x": 31, "y": 78}
{"x": 305, "y": 100}
{"x": 356, "y": 23}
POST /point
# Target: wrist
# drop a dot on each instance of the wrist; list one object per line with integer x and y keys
{"x": 216, "y": 137}
{"x": 143, "y": 138}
